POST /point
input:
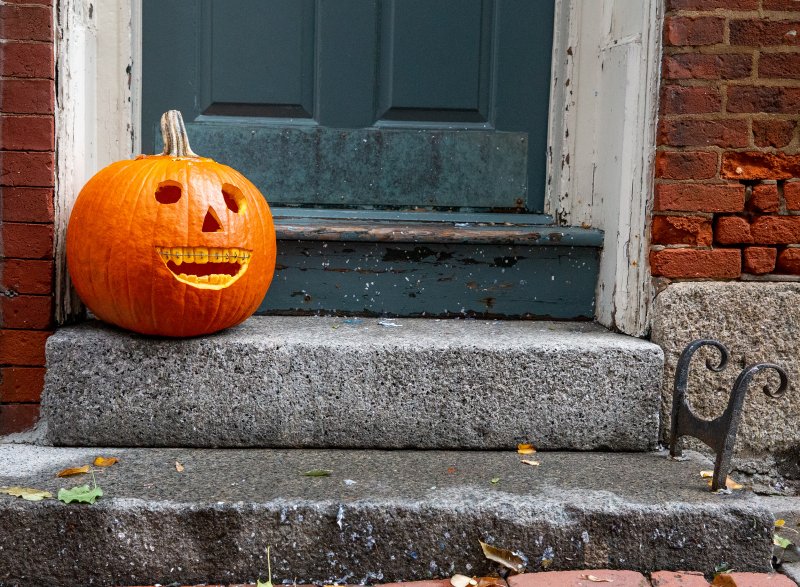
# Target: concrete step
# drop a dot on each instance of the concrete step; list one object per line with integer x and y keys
{"x": 379, "y": 516}
{"x": 334, "y": 382}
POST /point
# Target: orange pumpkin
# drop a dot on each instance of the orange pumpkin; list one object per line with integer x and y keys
{"x": 171, "y": 244}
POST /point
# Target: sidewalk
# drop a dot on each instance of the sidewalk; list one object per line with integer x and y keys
{"x": 595, "y": 578}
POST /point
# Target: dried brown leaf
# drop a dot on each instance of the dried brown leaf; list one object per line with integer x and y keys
{"x": 531, "y": 463}
{"x": 462, "y": 581}
{"x": 503, "y": 556}
{"x": 73, "y": 471}
{"x": 724, "y": 580}
{"x": 105, "y": 461}
{"x": 178, "y": 467}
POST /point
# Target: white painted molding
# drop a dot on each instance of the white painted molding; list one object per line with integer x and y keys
{"x": 96, "y": 111}
{"x": 604, "y": 100}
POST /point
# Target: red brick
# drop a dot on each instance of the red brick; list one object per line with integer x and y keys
{"x": 704, "y": 30}
{"x": 776, "y": 230}
{"x": 678, "y": 579}
{"x": 773, "y": 132}
{"x": 17, "y": 417}
{"x": 779, "y": 65}
{"x": 791, "y": 195}
{"x": 704, "y": 66}
{"x": 712, "y": 4}
{"x": 789, "y": 262}
{"x": 27, "y": 96}
{"x": 759, "y": 260}
{"x": 578, "y": 579}
{"x": 27, "y": 133}
{"x": 692, "y": 197}
{"x": 760, "y": 33}
{"x": 26, "y": 276}
{"x": 689, "y": 263}
{"x": 27, "y": 60}
{"x": 28, "y": 312}
{"x": 787, "y": 5}
{"x": 23, "y": 347}
{"x": 774, "y": 100}
{"x": 764, "y": 198}
{"x": 690, "y": 100}
{"x": 27, "y": 204}
{"x": 27, "y": 241}
{"x": 26, "y": 23}
{"x": 732, "y": 230}
{"x": 686, "y": 164}
{"x": 44, "y": 2}
{"x": 750, "y": 165}
{"x": 682, "y": 230}
{"x": 762, "y": 580}
{"x": 703, "y": 133}
{"x": 21, "y": 384}
{"x": 27, "y": 169}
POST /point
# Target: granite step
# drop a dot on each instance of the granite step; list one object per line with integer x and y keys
{"x": 379, "y": 516}
{"x": 356, "y": 383}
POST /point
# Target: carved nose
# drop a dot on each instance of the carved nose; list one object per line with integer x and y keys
{"x": 211, "y": 222}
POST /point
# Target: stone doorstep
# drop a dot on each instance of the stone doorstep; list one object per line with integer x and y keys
{"x": 379, "y": 516}
{"x": 356, "y": 383}
{"x": 601, "y": 577}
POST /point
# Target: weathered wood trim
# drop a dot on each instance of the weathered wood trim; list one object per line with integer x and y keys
{"x": 96, "y": 110}
{"x": 602, "y": 142}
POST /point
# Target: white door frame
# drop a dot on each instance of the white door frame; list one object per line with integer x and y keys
{"x": 601, "y": 147}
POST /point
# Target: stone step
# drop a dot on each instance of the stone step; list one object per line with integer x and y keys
{"x": 379, "y": 516}
{"x": 347, "y": 383}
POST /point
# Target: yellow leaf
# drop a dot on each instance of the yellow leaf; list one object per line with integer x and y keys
{"x": 505, "y": 557}
{"x": 73, "y": 471}
{"x": 105, "y": 461}
{"x": 525, "y": 449}
{"x": 594, "y": 579}
{"x": 178, "y": 467}
{"x": 706, "y": 474}
{"x": 780, "y": 523}
{"x": 462, "y": 581}
{"x": 531, "y": 463}
{"x": 729, "y": 484}
{"x": 27, "y": 493}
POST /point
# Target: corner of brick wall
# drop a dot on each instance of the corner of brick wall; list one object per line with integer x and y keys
{"x": 27, "y": 161}
{"x": 727, "y": 193}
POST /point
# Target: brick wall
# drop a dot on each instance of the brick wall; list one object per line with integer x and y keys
{"x": 27, "y": 96}
{"x": 727, "y": 195}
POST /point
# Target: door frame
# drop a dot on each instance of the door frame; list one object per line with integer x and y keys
{"x": 601, "y": 132}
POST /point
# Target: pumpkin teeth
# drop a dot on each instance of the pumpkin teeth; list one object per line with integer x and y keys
{"x": 205, "y": 267}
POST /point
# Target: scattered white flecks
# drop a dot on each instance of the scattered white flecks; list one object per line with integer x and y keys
{"x": 389, "y": 323}
{"x": 433, "y": 567}
{"x": 349, "y": 482}
{"x": 340, "y": 517}
{"x": 469, "y": 566}
{"x": 585, "y": 537}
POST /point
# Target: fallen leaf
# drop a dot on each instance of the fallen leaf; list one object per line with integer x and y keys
{"x": 496, "y": 480}
{"x": 491, "y": 582}
{"x": 594, "y": 579}
{"x": 525, "y": 449}
{"x": 729, "y": 483}
{"x": 268, "y": 582}
{"x": 318, "y": 473}
{"x": 780, "y": 523}
{"x": 723, "y": 580}
{"x": 462, "y": 581}
{"x": 706, "y": 474}
{"x": 781, "y": 541}
{"x": 451, "y": 470}
{"x": 81, "y": 494}
{"x": 178, "y": 467}
{"x": 27, "y": 493}
{"x": 73, "y": 471}
{"x": 508, "y": 559}
{"x": 105, "y": 462}
{"x": 531, "y": 463}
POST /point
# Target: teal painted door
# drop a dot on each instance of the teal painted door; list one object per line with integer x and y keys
{"x": 397, "y": 104}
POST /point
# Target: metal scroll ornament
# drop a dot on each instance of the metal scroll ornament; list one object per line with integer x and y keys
{"x": 720, "y": 433}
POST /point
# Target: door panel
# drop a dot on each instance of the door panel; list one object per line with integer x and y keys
{"x": 462, "y": 84}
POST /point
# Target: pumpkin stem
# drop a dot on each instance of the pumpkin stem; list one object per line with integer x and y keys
{"x": 176, "y": 143}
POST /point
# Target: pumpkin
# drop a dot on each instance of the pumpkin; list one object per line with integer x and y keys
{"x": 172, "y": 244}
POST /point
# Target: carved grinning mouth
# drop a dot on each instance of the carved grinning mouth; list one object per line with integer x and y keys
{"x": 205, "y": 267}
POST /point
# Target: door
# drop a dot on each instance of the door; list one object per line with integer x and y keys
{"x": 393, "y": 104}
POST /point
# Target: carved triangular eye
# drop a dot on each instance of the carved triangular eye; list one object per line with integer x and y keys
{"x": 168, "y": 192}
{"x": 211, "y": 222}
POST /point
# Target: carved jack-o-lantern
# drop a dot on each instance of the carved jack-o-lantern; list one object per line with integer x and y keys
{"x": 171, "y": 244}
